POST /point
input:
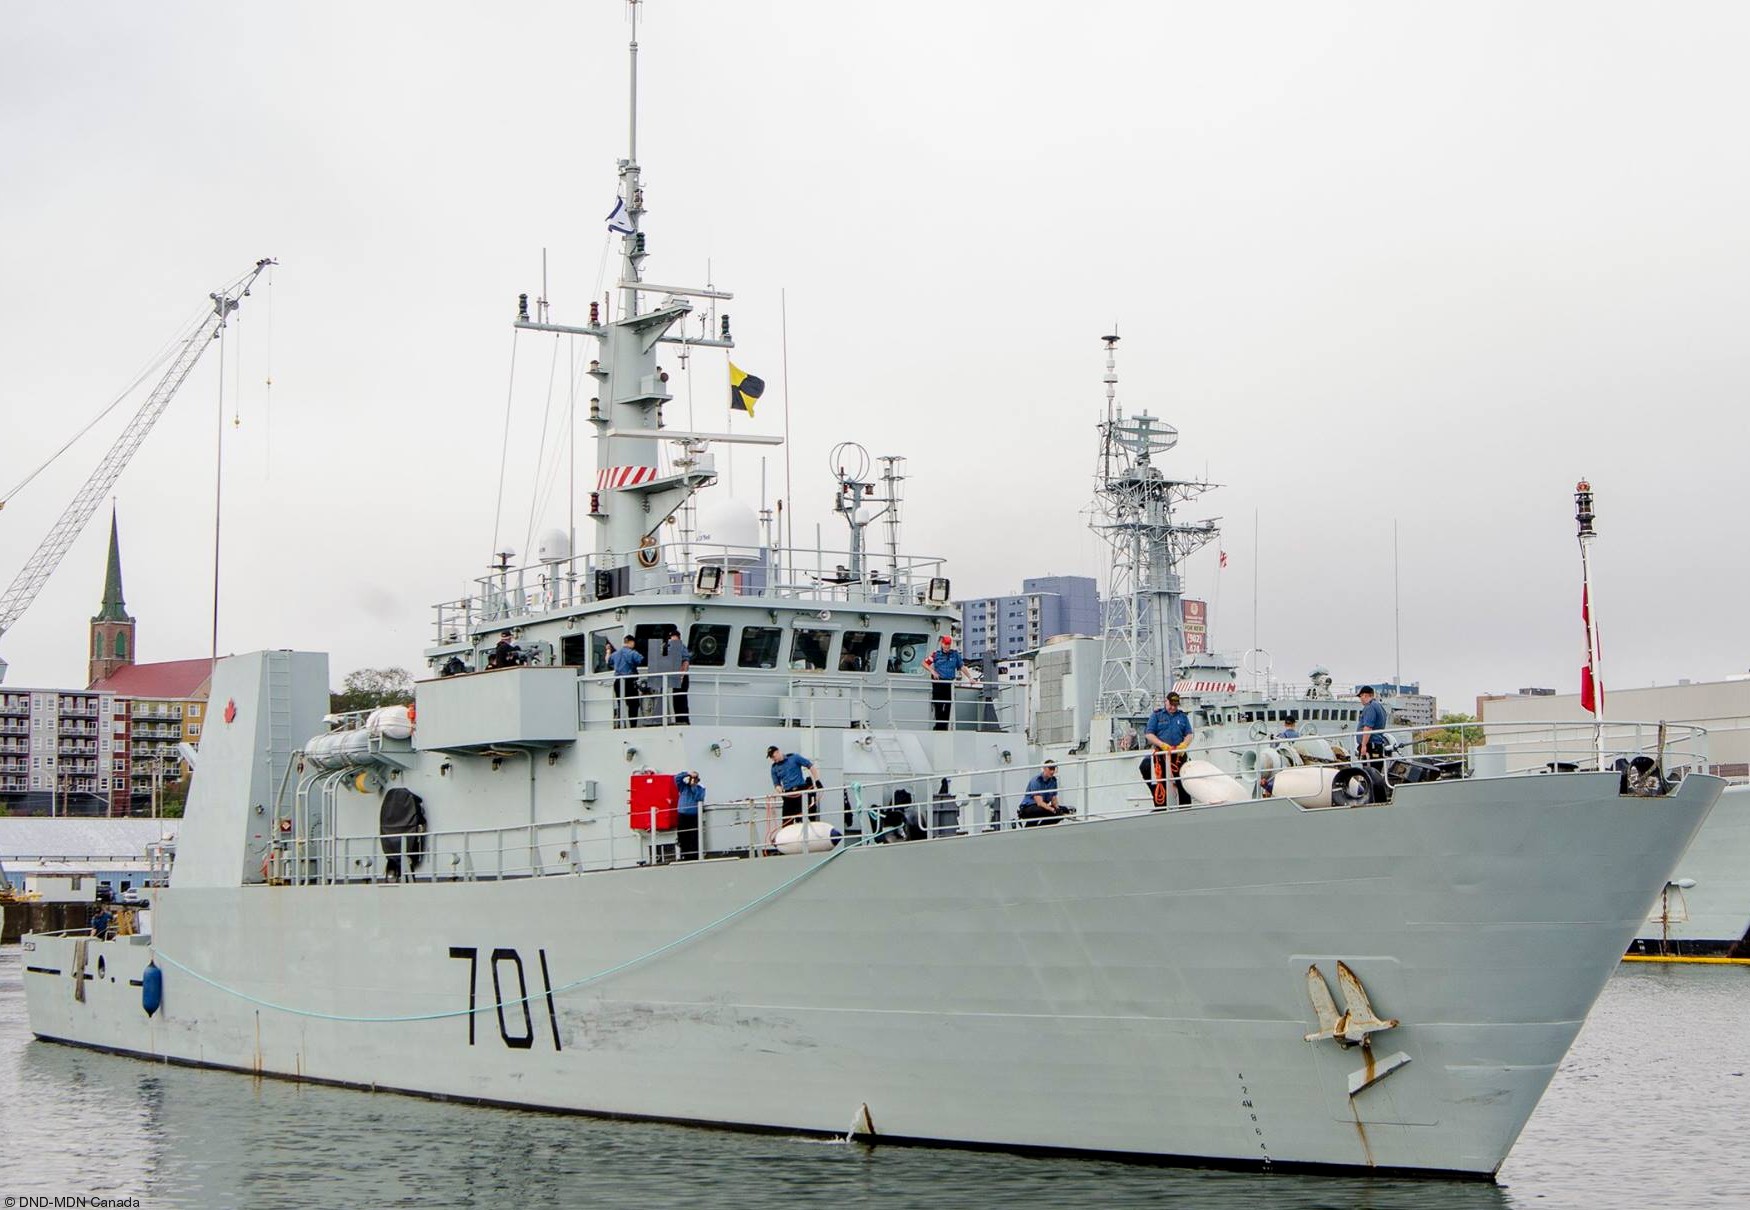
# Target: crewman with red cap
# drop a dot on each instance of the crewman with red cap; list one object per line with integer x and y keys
{"x": 943, "y": 665}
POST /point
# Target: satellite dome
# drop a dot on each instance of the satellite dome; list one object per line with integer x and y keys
{"x": 729, "y": 523}
{"x": 554, "y": 547}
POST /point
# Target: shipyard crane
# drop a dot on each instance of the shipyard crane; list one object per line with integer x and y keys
{"x": 47, "y": 556}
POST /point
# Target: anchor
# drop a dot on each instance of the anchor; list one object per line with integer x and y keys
{"x": 1355, "y": 1026}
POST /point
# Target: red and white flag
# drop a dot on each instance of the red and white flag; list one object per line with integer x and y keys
{"x": 1591, "y": 694}
{"x": 1224, "y": 558}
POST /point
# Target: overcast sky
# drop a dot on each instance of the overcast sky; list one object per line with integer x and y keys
{"x": 1381, "y": 261}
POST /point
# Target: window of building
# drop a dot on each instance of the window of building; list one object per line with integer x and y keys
{"x": 194, "y": 710}
{"x": 194, "y": 729}
{"x": 907, "y": 651}
{"x": 809, "y": 648}
{"x": 121, "y": 644}
{"x": 708, "y": 642}
{"x": 759, "y": 647}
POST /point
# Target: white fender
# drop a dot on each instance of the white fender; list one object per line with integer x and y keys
{"x": 1308, "y": 785}
{"x": 1208, "y": 785}
{"x": 811, "y": 837}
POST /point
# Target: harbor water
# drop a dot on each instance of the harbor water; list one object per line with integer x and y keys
{"x": 1649, "y": 1109}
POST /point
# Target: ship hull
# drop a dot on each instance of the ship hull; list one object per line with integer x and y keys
{"x": 1133, "y": 986}
{"x": 1712, "y": 917}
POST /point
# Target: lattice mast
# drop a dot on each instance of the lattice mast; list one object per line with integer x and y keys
{"x": 1133, "y": 510}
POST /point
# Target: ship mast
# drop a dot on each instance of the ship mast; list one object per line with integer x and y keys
{"x": 633, "y": 496}
{"x": 631, "y": 238}
{"x": 1133, "y": 510}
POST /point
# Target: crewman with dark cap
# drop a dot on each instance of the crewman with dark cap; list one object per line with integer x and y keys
{"x": 1370, "y": 729}
{"x": 943, "y": 665}
{"x": 1168, "y": 735}
{"x": 505, "y": 654}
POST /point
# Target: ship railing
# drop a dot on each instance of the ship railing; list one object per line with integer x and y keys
{"x": 815, "y": 576}
{"x": 349, "y": 720}
{"x": 1506, "y": 748}
{"x": 805, "y": 698}
{"x": 944, "y": 803}
{"x": 460, "y": 855}
{"x": 978, "y": 801}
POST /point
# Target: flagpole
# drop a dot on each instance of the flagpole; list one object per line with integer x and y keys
{"x": 1397, "y": 618}
{"x": 1255, "y": 561}
{"x": 1583, "y": 517}
{"x": 784, "y": 345}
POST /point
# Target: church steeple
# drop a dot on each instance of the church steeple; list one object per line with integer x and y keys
{"x": 114, "y": 608}
{"x": 112, "y": 630}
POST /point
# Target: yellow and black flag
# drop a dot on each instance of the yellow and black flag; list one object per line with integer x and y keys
{"x": 744, "y": 389}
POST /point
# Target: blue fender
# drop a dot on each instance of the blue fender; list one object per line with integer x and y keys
{"x": 151, "y": 988}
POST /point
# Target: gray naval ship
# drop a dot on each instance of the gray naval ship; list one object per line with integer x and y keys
{"x": 1088, "y": 691}
{"x": 493, "y": 897}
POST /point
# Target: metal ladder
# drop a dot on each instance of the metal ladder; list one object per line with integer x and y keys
{"x": 891, "y": 752}
{"x": 279, "y": 714}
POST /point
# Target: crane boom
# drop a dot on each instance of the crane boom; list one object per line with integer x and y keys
{"x": 47, "y": 556}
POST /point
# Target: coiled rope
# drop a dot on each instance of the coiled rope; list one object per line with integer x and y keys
{"x": 616, "y": 969}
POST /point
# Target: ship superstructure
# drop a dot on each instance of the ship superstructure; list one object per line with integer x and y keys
{"x": 495, "y": 896}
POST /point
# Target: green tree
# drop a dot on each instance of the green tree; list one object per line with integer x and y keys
{"x": 1457, "y": 732}
{"x": 368, "y": 688}
{"x": 172, "y": 800}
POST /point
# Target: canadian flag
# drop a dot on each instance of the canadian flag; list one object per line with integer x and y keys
{"x": 1591, "y": 694}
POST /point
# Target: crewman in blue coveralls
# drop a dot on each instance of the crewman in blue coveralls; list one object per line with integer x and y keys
{"x": 944, "y": 666}
{"x": 1168, "y": 734}
{"x": 1370, "y": 730}
{"x": 796, "y": 776}
{"x": 626, "y": 661}
{"x": 689, "y": 797}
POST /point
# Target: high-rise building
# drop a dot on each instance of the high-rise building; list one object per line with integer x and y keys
{"x": 63, "y": 752}
{"x": 1046, "y": 606}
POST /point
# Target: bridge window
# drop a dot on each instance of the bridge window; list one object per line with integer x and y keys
{"x": 759, "y": 647}
{"x": 907, "y": 652}
{"x": 709, "y": 643}
{"x": 860, "y": 651}
{"x": 600, "y": 643}
{"x": 574, "y": 650}
{"x": 649, "y": 639}
{"x": 809, "y": 648}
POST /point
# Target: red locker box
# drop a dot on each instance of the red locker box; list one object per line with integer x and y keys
{"x": 654, "y": 802}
